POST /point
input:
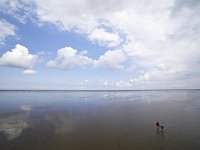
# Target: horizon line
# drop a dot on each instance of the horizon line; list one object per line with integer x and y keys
{"x": 96, "y": 90}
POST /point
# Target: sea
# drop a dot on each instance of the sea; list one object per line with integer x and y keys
{"x": 99, "y": 120}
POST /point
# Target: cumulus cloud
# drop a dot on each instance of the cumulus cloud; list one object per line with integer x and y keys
{"x": 6, "y": 30}
{"x": 111, "y": 59}
{"x": 18, "y": 57}
{"x": 68, "y": 58}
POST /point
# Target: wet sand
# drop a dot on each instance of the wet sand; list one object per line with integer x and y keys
{"x": 101, "y": 120}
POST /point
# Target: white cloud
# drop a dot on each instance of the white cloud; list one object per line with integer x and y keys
{"x": 18, "y": 57}
{"x": 83, "y": 19}
{"x": 141, "y": 78}
{"x": 6, "y": 30}
{"x": 105, "y": 38}
{"x": 123, "y": 84}
{"x": 29, "y": 72}
{"x": 111, "y": 59}
{"x": 86, "y": 80}
{"x": 141, "y": 20}
{"x": 105, "y": 83}
{"x": 19, "y": 9}
{"x": 68, "y": 58}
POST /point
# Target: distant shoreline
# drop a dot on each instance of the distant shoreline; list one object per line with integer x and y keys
{"x": 98, "y": 90}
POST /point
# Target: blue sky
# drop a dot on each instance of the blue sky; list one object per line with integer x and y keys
{"x": 96, "y": 45}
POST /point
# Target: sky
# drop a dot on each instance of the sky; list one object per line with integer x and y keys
{"x": 99, "y": 45}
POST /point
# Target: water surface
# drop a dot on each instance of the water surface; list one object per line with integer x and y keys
{"x": 99, "y": 120}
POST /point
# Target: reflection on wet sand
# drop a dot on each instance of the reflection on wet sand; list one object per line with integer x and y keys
{"x": 100, "y": 120}
{"x": 25, "y": 108}
{"x": 13, "y": 124}
{"x": 160, "y": 136}
{"x": 61, "y": 121}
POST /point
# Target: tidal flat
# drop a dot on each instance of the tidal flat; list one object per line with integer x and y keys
{"x": 100, "y": 120}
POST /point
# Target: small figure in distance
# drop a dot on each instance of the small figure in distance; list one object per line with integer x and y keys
{"x": 157, "y": 124}
{"x": 162, "y": 127}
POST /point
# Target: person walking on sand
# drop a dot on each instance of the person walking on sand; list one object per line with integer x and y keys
{"x": 157, "y": 124}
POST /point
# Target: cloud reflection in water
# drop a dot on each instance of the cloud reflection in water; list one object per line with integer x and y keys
{"x": 13, "y": 124}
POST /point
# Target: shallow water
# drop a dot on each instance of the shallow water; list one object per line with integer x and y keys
{"x": 94, "y": 120}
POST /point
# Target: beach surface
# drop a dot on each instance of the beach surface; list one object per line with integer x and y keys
{"x": 100, "y": 120}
